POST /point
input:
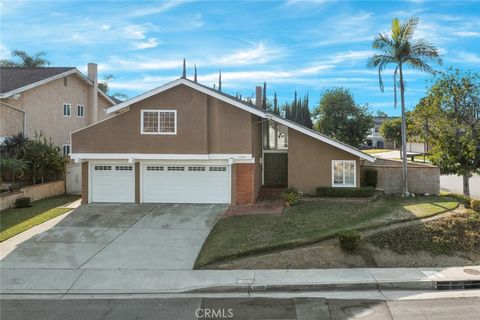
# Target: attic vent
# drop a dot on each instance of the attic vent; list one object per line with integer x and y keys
{"x": 458, "y": 285}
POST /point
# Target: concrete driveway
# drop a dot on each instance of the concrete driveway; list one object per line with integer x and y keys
{"x": 120, "y": 236}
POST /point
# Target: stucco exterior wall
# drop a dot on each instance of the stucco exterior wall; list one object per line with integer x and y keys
{"x": 11, "y": 121}
{"x": 310, "y": 162}
{"x": 204, "y": 125}
{"x": 35, "y": 192}
{"x": 44, "y": 110}
{"x": 422, "y": 178}
{"x": 257, "y": 153}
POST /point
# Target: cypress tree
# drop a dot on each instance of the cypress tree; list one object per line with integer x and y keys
{"x": 275, "y": 104}
{"x": 184, "y": 71}
{"x": 264, "y": 96}
{"x": 220, "y": 80}
{"x": 195, "y": 74}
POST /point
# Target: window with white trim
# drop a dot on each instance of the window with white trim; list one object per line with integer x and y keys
{"x": 176, "y": 168}
{"x": 66, "y": 149}
{"x": 80, "y": 110}
{"x": 343, "y": 173}
{"x": 218, "y": 168}
{"x": 159, "y": 122}
{"x": 67, "y": 109}
{"x": 154, "y": 168}
{"x": 103, "y": 168}
{"x": 196, "y": 168}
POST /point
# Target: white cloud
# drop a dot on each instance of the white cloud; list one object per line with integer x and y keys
{"x": 4, "y": 52}
{"x": 147, "y": 44}
{"x": 155, "y": 7}
{"x": 257, "y": 54}
{"x": 466, "y": 57}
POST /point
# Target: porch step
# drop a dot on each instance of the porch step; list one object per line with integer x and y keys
{"x": 270, "y": 193}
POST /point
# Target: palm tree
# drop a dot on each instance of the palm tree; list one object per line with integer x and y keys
{"x": 401, "y": 50}
{"x": 26, "y": 60}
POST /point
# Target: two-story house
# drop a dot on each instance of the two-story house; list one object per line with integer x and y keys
{"x": 53, "y": 101}
{"x": 185, "y": 142}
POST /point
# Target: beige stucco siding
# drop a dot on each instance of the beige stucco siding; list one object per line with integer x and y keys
{"x": 11, "y": 120}
{"x": 310, "y": 162}
{"x": 204, "y": 125}
{"x": 44, "y": 109}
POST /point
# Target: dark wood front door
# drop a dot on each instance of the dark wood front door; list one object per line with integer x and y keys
{"x": 275, "y": 169}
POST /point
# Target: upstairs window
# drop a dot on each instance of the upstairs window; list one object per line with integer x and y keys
{"x": 343, "y": 173}
{"x": 66, "y": 149}
{"x": 80, "y": 110}
{"x": 159, "y": 122}
{"x": 67, "y": 109}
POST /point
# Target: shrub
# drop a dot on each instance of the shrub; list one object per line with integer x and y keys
{"x": 371, "y": 178}
{"x": 23, "y": 202}
{"x": 291, "y": 196}
{"x": 475, "y": 205}
{"x": 465, "y": 200}
{"x": 363, "y": 192}
{"x": 349, "y": 240}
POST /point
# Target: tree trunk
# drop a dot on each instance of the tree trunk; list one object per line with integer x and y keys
{"x": 404, "y": 133}
{"x": 466, "y": 184}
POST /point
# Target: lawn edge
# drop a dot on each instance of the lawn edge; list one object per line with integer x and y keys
{"x": 293, "y": 245}
{"x": 35, "y": 224}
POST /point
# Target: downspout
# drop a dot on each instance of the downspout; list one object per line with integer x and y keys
{"x": 20, "y": 110}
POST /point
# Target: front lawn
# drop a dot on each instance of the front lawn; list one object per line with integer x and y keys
{"x": 309, "y": 222}
{"x": 14, "y": 221}
{"x": 374, "y": 151}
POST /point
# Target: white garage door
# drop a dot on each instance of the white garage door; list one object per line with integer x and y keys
{"x": 112, "y": 183}
{"x": 174, "y": 183}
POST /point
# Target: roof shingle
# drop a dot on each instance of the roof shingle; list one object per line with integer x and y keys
{"x": 12, "y": 78}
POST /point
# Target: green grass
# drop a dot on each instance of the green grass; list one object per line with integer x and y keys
{"x": 309, "y": 222}
{"x": 14, "y": 221}
{"x": 449, "y": 235}
{"x": 374, "y": 151}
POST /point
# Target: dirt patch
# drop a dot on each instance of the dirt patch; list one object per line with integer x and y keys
{"x": 328, "y": 254}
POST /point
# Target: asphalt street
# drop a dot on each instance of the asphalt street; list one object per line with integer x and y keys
{"x": 239, "y": 308}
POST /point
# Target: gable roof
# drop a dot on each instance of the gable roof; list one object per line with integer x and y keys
{"x": 14, "y": 80}
{"x": 244, "y": 106}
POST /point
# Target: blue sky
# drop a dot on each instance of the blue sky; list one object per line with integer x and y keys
{"x": 308, "y": 46}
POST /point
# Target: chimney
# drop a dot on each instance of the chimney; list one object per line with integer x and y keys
{"x": 93, "y": 99}
{"x": 258, "y": 96}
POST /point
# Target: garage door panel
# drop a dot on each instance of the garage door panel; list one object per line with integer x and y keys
{"x": 112, "y": 183}
{"x": 173, "y": 183}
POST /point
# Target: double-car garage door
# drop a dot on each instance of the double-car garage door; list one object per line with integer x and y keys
{"x": 161, "y": 183}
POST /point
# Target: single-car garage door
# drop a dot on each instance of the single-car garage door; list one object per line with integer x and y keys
{"x": 175, "y": 183}
{"x": 112, "y": 183}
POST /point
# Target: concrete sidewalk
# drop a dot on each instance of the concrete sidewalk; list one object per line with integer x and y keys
{"x": 95, "y": 281}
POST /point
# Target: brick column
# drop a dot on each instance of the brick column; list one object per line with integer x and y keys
{"x": 244, "y": 183}
{"x": 85, "y": 182}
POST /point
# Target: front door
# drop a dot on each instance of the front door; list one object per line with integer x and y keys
{"x": 275, "y": 169}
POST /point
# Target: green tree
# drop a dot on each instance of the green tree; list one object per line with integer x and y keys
{"x": 400, "y": 50}
{"x": 24, "y": 60}
{"x": 104, "y": 86}
{"x": 14, "y": 145}
{"x": 449, "y": 117}
{"x": 381, "y": 114}
{"x": 46, "y": 159}
{"x": 339, "y": 117}
{"x": 16, "y": 167}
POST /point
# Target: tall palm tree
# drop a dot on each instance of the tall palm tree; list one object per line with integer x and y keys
{"x": 400, "y": 50}
{"x": 26, "y": 60}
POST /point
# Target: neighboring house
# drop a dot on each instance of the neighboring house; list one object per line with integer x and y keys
{"x": 375, "y": 138}
{"x": 185, "y": 142}
{"x": 50, "y": 100}
{"x": 377, "y": 141}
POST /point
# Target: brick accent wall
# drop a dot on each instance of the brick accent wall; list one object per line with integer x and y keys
{"x": 244, "y": 183}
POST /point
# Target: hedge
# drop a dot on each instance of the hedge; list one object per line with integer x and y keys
{"x": 362, "y": 192}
